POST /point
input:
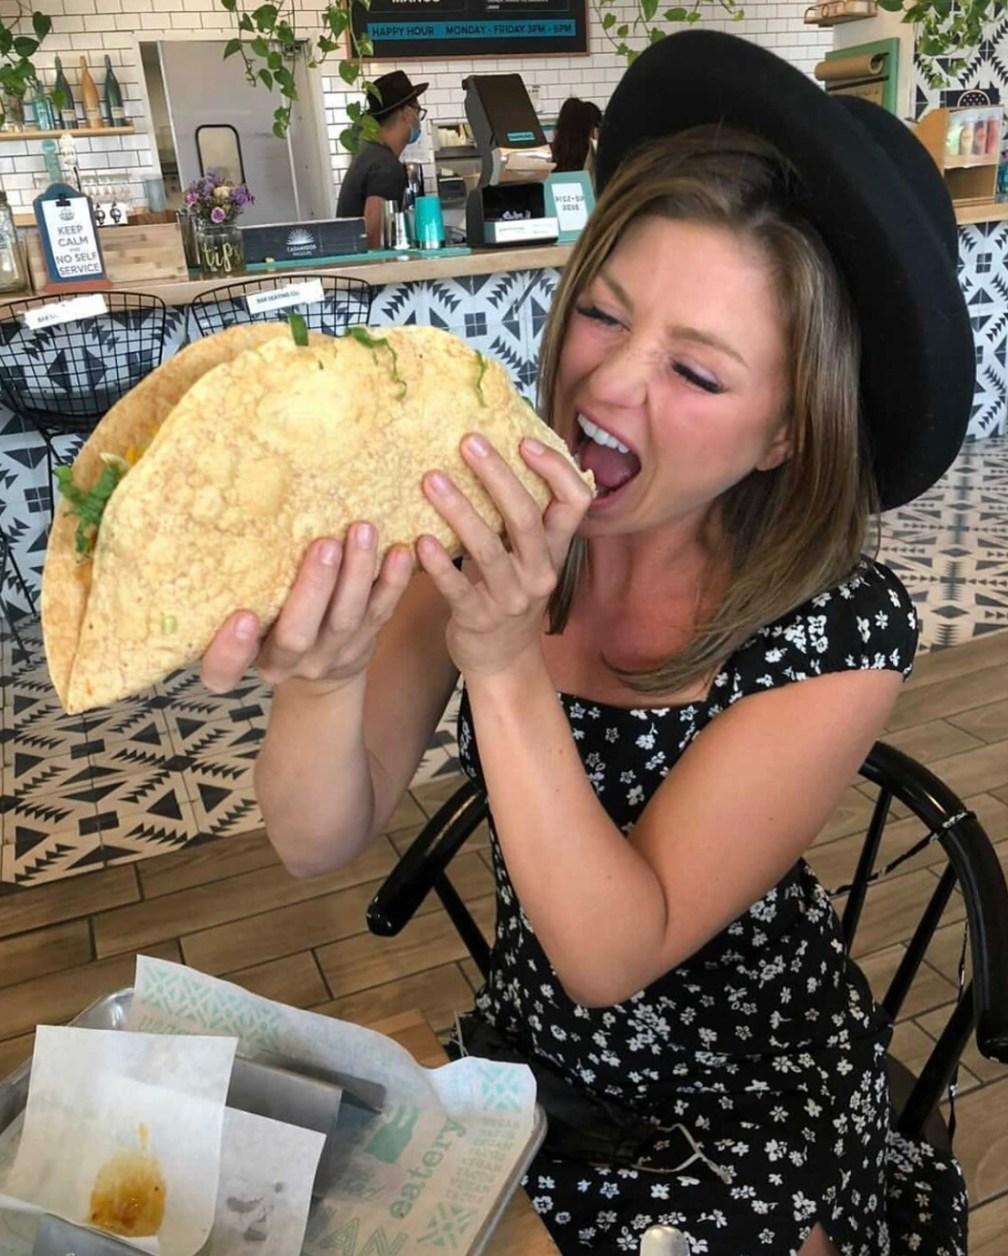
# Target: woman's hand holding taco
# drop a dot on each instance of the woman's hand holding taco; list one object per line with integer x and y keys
{"x": 499, "y": 598}
{"x": 328, "y": 627}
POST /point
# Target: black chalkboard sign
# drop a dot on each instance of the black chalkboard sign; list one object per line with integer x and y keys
{"x": 400, "y": 29}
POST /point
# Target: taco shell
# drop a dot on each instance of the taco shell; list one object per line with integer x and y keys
{"x": 256, "y": 452}
{"x": 131, "y": 423}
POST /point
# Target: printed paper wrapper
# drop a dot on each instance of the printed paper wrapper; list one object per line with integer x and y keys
{"x": 424, "y": 1174}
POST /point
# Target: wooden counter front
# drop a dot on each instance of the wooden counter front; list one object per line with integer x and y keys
{"x": 985, "y": 211}
{"x": 378, "y": 273}
{"x": 410, "y": 270}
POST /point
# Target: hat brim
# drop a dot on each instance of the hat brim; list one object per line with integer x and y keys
{"x": 863, "y": 183}
{"x": 384, "y": 110}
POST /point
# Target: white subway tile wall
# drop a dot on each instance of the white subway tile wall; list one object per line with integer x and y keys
{"x": 97, "y": 27}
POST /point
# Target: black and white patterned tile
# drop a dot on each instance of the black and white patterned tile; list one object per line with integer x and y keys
{"x": 146, "y": 776}
{"x": 950, "y": 547}
{"x": 983, "y": 247}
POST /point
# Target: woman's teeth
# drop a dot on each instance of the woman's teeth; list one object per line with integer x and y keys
{"x": 599, "y": 435}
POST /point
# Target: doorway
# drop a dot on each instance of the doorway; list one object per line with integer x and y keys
{"x": 207, "y": 116}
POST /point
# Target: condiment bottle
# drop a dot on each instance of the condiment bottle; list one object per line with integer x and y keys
{"x": 994, "y": 133}
{"x": 953, "y": 136}
{"x": 980, "y": 134}
{"x": 968, "y": 119}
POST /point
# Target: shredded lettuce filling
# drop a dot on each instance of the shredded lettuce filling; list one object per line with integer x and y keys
{"x": 89, "y": 505}
{"x": 299, "y": 329}
{"x": 483, "y": 364}
{"x": 364, "y": 337}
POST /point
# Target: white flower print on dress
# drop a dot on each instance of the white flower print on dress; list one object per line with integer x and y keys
{"x": 759, "y": 1051}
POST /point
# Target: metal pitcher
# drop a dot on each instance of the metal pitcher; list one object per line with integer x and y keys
{"x": 388, "y": 224}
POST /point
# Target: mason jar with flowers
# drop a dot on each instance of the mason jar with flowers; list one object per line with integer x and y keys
{"x": 214, "y": 205}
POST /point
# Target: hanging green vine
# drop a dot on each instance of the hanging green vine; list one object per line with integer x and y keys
{"x": 946, "y": 31}
{"x": 630, "y": 38}
{"x": 17, "y": 71}
{"x": 268, "y": 43}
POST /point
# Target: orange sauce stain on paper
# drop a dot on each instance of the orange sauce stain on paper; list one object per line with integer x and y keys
{"x": 128, "y": 1196}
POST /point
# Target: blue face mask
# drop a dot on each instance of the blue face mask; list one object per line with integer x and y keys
{"x": 414, "y": 135}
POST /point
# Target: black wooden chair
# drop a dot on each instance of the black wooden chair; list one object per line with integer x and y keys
{"x": 8, "y": 568}
{"x": 60, "y": 380}
{"x": 972, "y": 867}
{"x": 346, "y": 302}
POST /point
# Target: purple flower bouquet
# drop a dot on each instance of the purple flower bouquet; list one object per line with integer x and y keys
{"x": 214, "y": 200}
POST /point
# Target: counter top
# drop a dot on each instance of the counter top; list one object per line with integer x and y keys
{"x": 379, "y": 272}
{"x": 986, "y": 211}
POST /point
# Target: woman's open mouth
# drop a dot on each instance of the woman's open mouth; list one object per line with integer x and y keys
{"x": 613, "y": 463}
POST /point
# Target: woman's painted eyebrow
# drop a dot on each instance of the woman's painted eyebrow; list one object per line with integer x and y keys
{"x": 695, "y": 334}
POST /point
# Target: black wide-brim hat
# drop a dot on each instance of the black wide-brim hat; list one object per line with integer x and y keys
{"x": 879, "y": 203}
{"x": 395, "y": 90}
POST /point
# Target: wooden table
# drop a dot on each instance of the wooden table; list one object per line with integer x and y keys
{"x": 520, "y": 1232}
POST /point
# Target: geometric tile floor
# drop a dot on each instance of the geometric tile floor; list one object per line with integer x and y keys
{"x": 950, "y": 548}
{"x": 174, "y": 768}
{"x": 141, "y": 778}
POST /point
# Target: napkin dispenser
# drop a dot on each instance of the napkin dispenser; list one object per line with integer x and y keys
{"x": 508, "y": 205}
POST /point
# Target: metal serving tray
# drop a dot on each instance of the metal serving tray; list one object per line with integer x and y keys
{"x": 110, "y": 1013}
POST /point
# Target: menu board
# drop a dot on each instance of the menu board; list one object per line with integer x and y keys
{"x": 400, "y": 29}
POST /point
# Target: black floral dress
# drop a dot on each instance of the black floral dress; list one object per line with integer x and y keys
{"x": 763, "y": 1055}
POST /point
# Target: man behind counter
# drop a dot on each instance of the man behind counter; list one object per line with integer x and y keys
{"x": 376, "y": 174}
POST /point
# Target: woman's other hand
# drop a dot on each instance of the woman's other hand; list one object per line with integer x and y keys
{"x": 328, "y": 627}
{"x": 498, "y": 601}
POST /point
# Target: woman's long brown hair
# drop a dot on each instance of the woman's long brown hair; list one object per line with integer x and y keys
{"x": 789, "y": 533}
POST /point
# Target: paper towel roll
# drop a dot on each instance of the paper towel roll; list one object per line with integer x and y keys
{"x": 866, "y": 65}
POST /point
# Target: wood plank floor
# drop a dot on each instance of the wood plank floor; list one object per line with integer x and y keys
{"x": 229, "y": 908}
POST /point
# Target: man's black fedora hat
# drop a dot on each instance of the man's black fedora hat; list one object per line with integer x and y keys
{"x": 395, "y": 90}
{"x": 881, "y": 206}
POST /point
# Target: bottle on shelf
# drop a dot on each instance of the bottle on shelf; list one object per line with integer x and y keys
{"x": 89, "y": 95}
{"x": 114, "y": 112}
{"x": 50, "y": 154}
{"x": 13, "y": 276}
{"x": 13, "y": 111}
{"x": 65, "y": 106}
{"x": 43, "y": 113}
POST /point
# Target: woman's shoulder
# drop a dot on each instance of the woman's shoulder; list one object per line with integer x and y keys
{"x": 866, "y": 621}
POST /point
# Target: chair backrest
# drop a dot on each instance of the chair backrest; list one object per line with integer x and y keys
{"x": 71, "y": 373}
{"x": 346, "y": 302}
{"x": 972, "y": 865}
{"x": 10, "y": 574}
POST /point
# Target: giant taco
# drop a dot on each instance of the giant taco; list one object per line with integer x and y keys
{"x": 223, "y": 466}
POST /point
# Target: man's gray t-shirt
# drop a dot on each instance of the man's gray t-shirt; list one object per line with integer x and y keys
{"x": 374, "y": 171}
